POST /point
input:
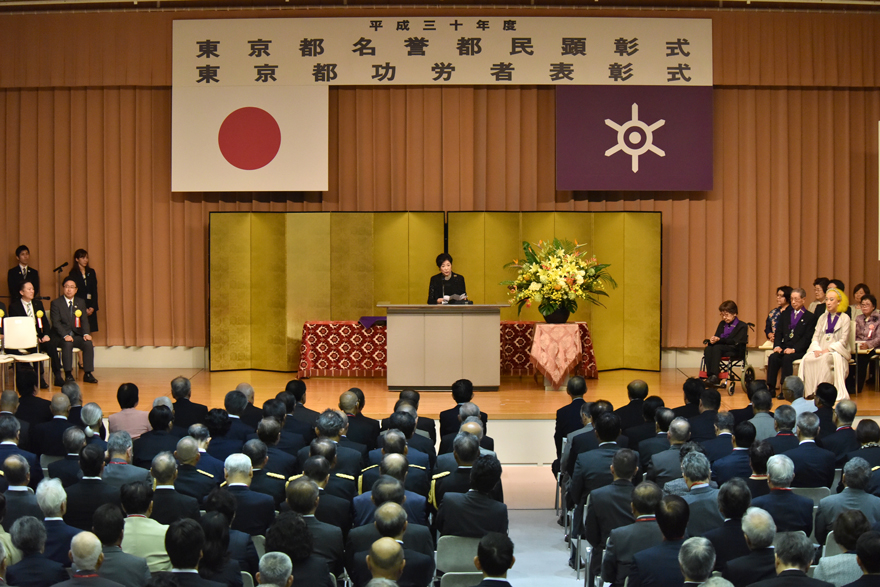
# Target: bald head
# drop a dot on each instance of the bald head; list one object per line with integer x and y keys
{"x": 247, "y": 389}
{"x": 390, "y": 520}
{"x": 395, "y": 465}
{"x": 472, "y": 427}
{"x": 386, "y": 559}
{"x": 348, "y": 402}
{"x": 85, "y": 550}
{"x": 8, "y": 401}
{"x": 60, "y": 404}
{"x": 164, "y": 468}
{"x": 187, "y": 451}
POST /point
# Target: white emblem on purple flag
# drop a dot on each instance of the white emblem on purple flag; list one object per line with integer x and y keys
{"x": 635, "y": 138}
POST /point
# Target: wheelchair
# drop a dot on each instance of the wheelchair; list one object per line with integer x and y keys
{"x": 738, "y": 360}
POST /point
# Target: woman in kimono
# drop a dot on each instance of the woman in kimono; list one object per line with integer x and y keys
{"x": 827, "y": 358}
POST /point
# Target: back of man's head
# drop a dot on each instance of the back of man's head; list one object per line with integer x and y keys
{"x": 793, "y": 385}
{"x": 386, "y": 559}
{"x": 298, "y": 388}
{"x": 329, "y": 424}
{"x": 200, "y": 432}
{"x": 73, "y": 392}
{"x": 710, "y": 399}
{"x": 73, "y": 440}
{"x": 323, "y": 447}
{"x": 275, "y": 409}
{"x": 395, "y": 442}
{"x": 85, "y": 550}
{"x": 394, "y": 465}
{"x": 160, "y": 417}
{"x": 348, "y": 402}
{"x": 462, "y": 391}
{"x": 485, "y": 473}
{"x": 759, "y": 528}
{"x": 275, "y": 569}
{"x": 780, "y": 471}
{"x": 857, "y": 473}
{"x": 403, "y": 421}
{"x": 637, "y": 389}
{"x": 8, "y": 401}
{"x": 794, "y": 549}
{"x": 28, "y": 534}
{"x": 607, "y": 427}
{"x": 390, "y": 519}
{"x": 91, "y": 460}
{"x": 247, "y": 389}
{"x": 650, "y": 406}
{"x": 696, "y": 558}
{"x": 387, "y": 489}
{"x": 16, "y": 469}
{"x": 410, "y": 395}
{"x": 693, "y": 390}
{"x": 60, "y": 405}
{"x": 238, "y": 468}
{"x": 695, "y": 467}
{"x": 164, "y": 468}
{"x": 744, "y": 434}
{"x": 108, "y": 523}
{"x": 257, "y": 451}
{"x": 785, "y": 417}
{"x": 466, "y": 447}
{"x": 734, "y": 498}
{"x": 826, "y": 395}
{"x": 867, "y": 431}
{"x": 868, "y": 551}
{"x": 576, "y": 386}
{"x": 672, "y": 517}
{"x": 808, "y": 425}
{"x": 724, "y": 421}
{"x": 495, "y": 554}
{"x": 755, "y": 387}
{"x": 235, "y": 402}
{"x": 846, "y": 412}
{"x": 759, "y": 453}
{"x": 181, "y": 388}
{"x": 762, "y": 401}
{"x": 646, "y": 497}
{"x": 136, "y": 497}
{"x": 302, "y": 496}
{"x": 679, "y": 430}
{"x": 625, "y": 463}
{"x": 187, "y": 450}
{"x": 184, "y": 541}
{"x": 316, "y": 468}
{"x": 51, "y": 497}
{"x": 663, "y": 418}
{"x": 599, "y": 407}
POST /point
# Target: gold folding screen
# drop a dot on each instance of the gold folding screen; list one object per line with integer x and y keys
{"x": 626, "y": 332}
{"x": 271, "y": 272}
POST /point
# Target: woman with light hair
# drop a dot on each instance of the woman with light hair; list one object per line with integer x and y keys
{"x": 92, "y": 415}
{"x": 827, "y": 358}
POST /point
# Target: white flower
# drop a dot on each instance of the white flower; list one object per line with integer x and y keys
{"x": 535, "y": 286}
{"x": 538, "y": 298}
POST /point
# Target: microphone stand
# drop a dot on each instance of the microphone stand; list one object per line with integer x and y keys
{"x": 60, "y": 278}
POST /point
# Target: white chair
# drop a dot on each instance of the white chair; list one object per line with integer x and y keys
{"x": 20, "y": 334}
{"x": 246, "y": 579}
{"x": 4, "y": 361}
{"x": 838, "y": 475}
{"x": 831, "y": 546}
{"x": 260, "y": 545}
{"x": 456, "y": 579}
{"x": 455, "y": 554}
{"x": 814, "y": 493}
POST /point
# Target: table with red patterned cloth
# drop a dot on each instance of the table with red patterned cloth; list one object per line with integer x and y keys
{"x": 347, "y": 349}
{"x": 342, "y": 349}
{"x": 516, "y": 346}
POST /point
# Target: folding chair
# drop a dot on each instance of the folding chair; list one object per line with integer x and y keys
{"x": 814, "y": 493}
{"x": 20, "y": 334}
{"x": 456, "y": 579}
{"x": 727, "y": 365}
{"x": 576, "y": 546}
{"x": 831, "y": 546}
{"x": 455, "y": 554}
{"x": 246, "y": 579}
{"x": 260, "y": 545}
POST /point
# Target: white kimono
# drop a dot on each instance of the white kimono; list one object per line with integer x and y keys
{"x": 815, "y": 370}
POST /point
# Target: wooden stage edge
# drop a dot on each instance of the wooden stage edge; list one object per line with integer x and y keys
{"x": 519, "y": 398}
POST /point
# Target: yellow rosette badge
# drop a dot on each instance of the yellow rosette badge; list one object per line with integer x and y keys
{"x": 78, "y": 313}
{"x": 40, "y": 315}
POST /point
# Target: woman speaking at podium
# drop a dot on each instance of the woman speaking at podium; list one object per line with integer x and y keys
{"x": 446, "y": 283}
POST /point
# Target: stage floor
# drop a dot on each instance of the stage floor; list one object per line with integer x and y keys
{"x": 520, "y": 398}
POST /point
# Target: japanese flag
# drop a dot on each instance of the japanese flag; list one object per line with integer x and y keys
{"x": 243, "y": 139}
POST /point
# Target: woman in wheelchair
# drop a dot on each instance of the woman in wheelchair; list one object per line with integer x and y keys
{"x": 827, "y": 359}
{"x": 730, "y": 340}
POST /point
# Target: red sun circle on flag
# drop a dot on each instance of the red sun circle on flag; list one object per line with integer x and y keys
{"x": 249, "y": 138}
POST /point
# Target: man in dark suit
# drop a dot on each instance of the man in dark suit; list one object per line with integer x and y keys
{"x": 568, "y": 417}
{"x": 702, "y": 499}
{"x": 389, "y": 487}
{"x": 593, "y": 468}
{"x": 425, "y": 424}
{"x": 422, "y": 451}
{"x": 794, "y": 332}
{"x": 748, "y": 412}
{"x": 31, "y": 408}
{"x": 271, "y": 433}
{"x": 791, "y": 512}
{"x": 332, "y": 509}
{"x": 254, "y": 511}
{"x": 20, "y": 500}
{"x": 703, "y": 425}
{"x": 291, "y": 425}
{"x": 586, "y": 442}
{"x": 219, "y": 445}
{"x": 696, "y": 559}
{"x": 235, "y": 403}
{"x": 28, "y": 306}
{"x": 67, "y": 470}
{"x": 659, "y": 440}
{"x": 35, "y": 568}
{"x": 391, "y": 522}
{"x": 21, "y": 273}
{"x": 466, "y": 452}
{"x": 760, "y": 562}
{"x": 186, "y": 412}
{"x": 298, "y": 388}
{"x": 288, "y": 441}
{"x": 843, "y": 440}
{"x": 184, "y": 543}
{"x": 494, "y": 559}
{"x": 693, "y": 390}
{"x": 416, "y": 537}
{"x": 462, "y": 391}
{"x": 658, "y": 566}
{"x": 417, "y": 478}
{"x": 722, "y": 444}
{"x": 252, "y": 414}
{"x": 610, "y": 507}
{"x": 813, "y": 466}
{"x": 759, "y": 454}
{"x": 666, "y": 465}
{"x": 303, "y": 497}
{"x": 85, "y": 552}
{"x": 826, "y": 397}
{"x": 48, "y": 435}
{"x": 157, "y": 440}
{"x": 856, "y": 476}
{"x": 72, "y": 330}
{"x": 10, "y": 432}
{"x": 86, "y": 496}
{"x": 264, "y": 481}
{"x": 784, "y": 419}
{"x": 168, "y": 503}
{"x": 647, "y": 427}
{"x": 341, "y": 483}
{"x": 192, "y": 480}
{"x": 474, "y": 513}
{"x": 123, "y": 568}
{"x": 868, "y": 557}
{"x": 631, "y": 414}
{"x": 794, "y": 555}
{"x": 624, "y": 542}
{"x": 118, "y": 471}
{"x": 728, "y": 540}
{"x": 8, "y": 406}
{"x": 329, "y": 426}
{"x": 736, "y": 464}
{"x": 361, "y": 429}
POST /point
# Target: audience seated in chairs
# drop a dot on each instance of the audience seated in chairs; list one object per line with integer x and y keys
{"x": 494, "y": 558}
{"x": 813, "y": 466}
{"x": 658, "y": 566}
{"x": 129, "y": 419}
{"x": 201, "y": 434}
{"x": 123, "y": 568}
{"x": 794, "y": 554}
{"x": 856, "y": 476}
{"x": 760, "y": 563}
{"x": 34, "y": 569}
{"x": 696, "y": 559}
{"x": 290, "y": 534}
{"x": 791, "y": 512}
{"x": 729, "y": 540}
{"x": 842, "y": 569}
{"x": 191, "y": 479}
{"x": 626, "y": 541}
{"x": 475, "y": 512}
{"x": 701, "y": 498}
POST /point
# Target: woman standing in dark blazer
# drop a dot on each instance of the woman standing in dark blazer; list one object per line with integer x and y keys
{"x": 445, "y": 283}
{"x": 86, "y": 285}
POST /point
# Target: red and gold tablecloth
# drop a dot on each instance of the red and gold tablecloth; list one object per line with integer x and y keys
{"x": 347, "y": 349}
{"x": 556, "y": 351}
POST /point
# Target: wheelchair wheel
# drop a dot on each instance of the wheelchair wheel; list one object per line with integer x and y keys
{"x": 731, "y": 388}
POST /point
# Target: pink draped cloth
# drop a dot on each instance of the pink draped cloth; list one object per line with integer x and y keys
{"x": 556, "y": 351}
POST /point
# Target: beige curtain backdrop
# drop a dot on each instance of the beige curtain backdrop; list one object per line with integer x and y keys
{"x": 85, "y": 162}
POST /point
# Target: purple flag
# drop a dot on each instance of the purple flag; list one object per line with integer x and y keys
{"x": 634, "y": 138}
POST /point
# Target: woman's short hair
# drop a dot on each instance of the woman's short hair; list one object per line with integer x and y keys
{"x": 786, "y": 292}
{"x": 848, "y": 527}
{"x": 822, "y": 281}
{"x": 127, "y": 395}
{"x": 870, "y": 298}
{"x": 729, "y": 306}
{"x": 861, "y": 286}
{"x": 443, "y": 257}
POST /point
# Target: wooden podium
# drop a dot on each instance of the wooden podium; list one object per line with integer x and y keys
{"x": 430, "y": 347}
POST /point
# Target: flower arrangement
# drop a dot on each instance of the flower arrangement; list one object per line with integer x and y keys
{"x": 555, "y": 275}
